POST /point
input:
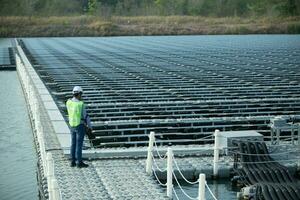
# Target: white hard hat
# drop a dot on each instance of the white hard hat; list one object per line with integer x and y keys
{"x": 77, "y": 89}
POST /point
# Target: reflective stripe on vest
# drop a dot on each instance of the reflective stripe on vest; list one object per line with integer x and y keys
{"x": 74, "y": 111}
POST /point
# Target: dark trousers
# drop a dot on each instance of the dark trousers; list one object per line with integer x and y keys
{"x": 77, "y": 136}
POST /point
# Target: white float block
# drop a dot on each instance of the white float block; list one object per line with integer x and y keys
{"x": 64, "y": 140}
{"x": 50, "y": 105}
{"x": 43, "y": 91}
{"x": 46, "y": 97}
{"x": 55, "y": 115}
{"x": 60, "y": 127}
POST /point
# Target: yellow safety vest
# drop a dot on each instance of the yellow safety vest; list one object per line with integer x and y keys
{"x": 74, "y": 111}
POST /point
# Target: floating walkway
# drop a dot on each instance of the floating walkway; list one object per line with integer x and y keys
{"x": 182, "y": 92}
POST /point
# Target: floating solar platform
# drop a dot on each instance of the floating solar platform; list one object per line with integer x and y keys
{"x": 7, "y": 61}
{"x": 181, "y": 87}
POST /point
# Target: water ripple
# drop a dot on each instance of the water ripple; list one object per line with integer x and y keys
{"x": 18, "y": 161}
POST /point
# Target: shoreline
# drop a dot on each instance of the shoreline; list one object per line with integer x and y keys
{"x": 93, "y": 26}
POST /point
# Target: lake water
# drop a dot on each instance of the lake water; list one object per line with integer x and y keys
{"x": 18, "y": 158}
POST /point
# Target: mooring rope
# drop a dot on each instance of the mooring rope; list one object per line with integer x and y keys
{"x": 184, "y": 178}
{"x": 159, "y": 182}
{"x": 156, "y": 165}
{"x": 182, "y": 190}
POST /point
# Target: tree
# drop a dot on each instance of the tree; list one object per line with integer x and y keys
{"x": 92, "y": 6}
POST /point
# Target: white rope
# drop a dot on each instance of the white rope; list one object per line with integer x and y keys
{"x": 60, "y": 195}
{"x": 182, "y": 190}
{"x": 156, "y": 165}
{"x": 175, "y": 194}
{"x": 160, "y": 183}
{"x": 159, "y": 155}
{"x": 203, "y": 139}
{"x": 275, "y": 148}
{"x": 212, "y": 194}
{"x": 266, "y": 154}
{"x": 271, "y": 161}
{"x": 279, "y": 145}
{"x": 192, "y": 183}
{"x": 288, "y": 138}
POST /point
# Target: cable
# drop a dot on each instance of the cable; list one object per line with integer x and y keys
{"x": 192, "y": 183}
{"x": 243, "y": 178}
{"x": 214, "y": 197}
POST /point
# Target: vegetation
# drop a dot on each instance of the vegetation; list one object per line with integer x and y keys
{"x": 20, "y": 18}
{"x": 212, "y": 8}
{"x": 150, "y": 25}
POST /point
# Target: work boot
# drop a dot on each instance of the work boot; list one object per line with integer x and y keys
{"x": 72, "y": 164}
{"x": 82, "y": 165}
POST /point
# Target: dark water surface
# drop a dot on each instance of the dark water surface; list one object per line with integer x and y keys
{"x": 18, "y": 158}
{"x": 222, "y": 190}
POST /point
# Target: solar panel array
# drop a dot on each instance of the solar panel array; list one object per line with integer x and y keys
{"x": 7, "y": 61}
{"x": 181, "y": 87}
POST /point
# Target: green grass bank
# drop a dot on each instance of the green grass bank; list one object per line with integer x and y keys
{"x": 14, "y": 26}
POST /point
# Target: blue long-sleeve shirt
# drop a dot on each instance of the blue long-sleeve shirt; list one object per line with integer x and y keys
{"x": 84, "y": 114}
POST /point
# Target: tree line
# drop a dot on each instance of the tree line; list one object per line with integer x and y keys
{"x": 212, "y": 8}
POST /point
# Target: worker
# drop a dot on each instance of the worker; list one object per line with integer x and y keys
{"x": 78, "y": 121}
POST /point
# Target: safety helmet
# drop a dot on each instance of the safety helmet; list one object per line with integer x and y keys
{"x": 77, "y": 89}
